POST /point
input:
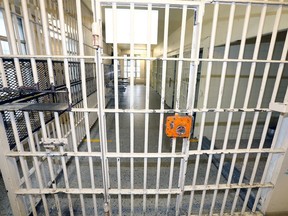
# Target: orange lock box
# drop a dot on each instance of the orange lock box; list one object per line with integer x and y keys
{"x": 178, "y": 126}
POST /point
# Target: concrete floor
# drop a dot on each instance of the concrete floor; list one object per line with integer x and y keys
{"x": 139, "y": 102}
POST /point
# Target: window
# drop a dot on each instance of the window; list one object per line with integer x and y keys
{"x": 127, "y": 68}
{"x": 3, "y": 36}
{"x": 23, "y": 49}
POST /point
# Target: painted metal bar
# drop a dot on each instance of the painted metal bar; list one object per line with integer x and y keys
{"x": 280, "y": 70}
{"x": 275, "y": 90}
{"x": 177, "y": 105}
{"x": 249, "y": 86}
{"x": 64, "y": 48}
{"x": 202, "y": 124}
{"x": 155, "y": 111}
{"x": 140, "y": 191}
{"x": 71, "y": 116}
{"x": 50, "y": 164}
{"x": 77, "y": 163}
{"x": 259, "y": 101}
{"x": 46, "y": 39}
{"x": 147, "y": 94}
{"x": 23, "y": 163}
{"x": 36, "y": 162}
{"x": 132, "y": 71}
{"x": 181, "y": 50}
{"x": 171, "y": 175}
{"x": 29, "y": 39}
{"x": 149, "y": 155}
{"x": 278, "y": 2}
{"x": 57, "y": 57}
{"x": 102, "y": 128}
{"x": 243, "y": 115}
{"x": 63, "y": 162}
{"x": 116, "y": 101}
{"x": 159, "y": 2}
{"x": 97, "y": 17}
{"x": 195, "y": 50}
{"x": 84, "y": 96}
{"x": 162, "y": 103}
{"x": 206, "y": 95}
{"x": 235, "y": 87}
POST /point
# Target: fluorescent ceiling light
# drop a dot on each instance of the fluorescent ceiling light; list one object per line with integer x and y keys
{"x": 124, "y": 27}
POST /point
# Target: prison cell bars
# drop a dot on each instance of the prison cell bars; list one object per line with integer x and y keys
{"x": 186, "y": 141}
{"x": 182, "y": 38}
{"x": 30, "y": 139}
{"x": 147, "y": 93}
{"x": 85, "y": 104}
{"x": 116, "y": 100}
{"x": 132, "y": 71}
{"x": 12, "y": 41}
{"x": 207, "y": 84}
{"x": 56, "y": 125}
{"x": 235, "y": 89}
{"x": 162, "y": 102}
{"x": 216, "y": 8}
{"x": 250, "y": 81}
{"x": 52, "y": 81}
{"x": 259, "y": 102}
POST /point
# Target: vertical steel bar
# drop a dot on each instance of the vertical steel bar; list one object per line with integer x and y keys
{"x": 171, "y": 176}
{"x": 46, "y": 40}
{"x": 206, "y": 94}
{"x": 179, "y": 76}
{"x": 24, "y": 166}
{"x": 234, "y": 92}
{"x": 132, "y": 71}
{"x": 102, "y": 127}
{"x": 35, "y": 160}
{"x": 78, "y": 171}
{"x": 259, "y": 102}
{"x": 63, "y": 162}
{"x": 71, "y": 116}
{"x": 116, "y": 99}
{"x": 162, "y": 105}
{"x": 50, "y": 164}
{"x": 97, "y": 17}
{"x": 196, "y": 37}
{"x": 146, "y": 135}
{"x": 64, "y": 48}
{"x": 181, "y": 50}
{"x": 84, "y": 94}
{"x": 195, "y": 50}
{"x": 249, "y": 86}
{"x": 29, "y": 39}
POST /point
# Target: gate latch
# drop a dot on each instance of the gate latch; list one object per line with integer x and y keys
{"x": 51, "y": 143}
{"x": 178, "y": 126}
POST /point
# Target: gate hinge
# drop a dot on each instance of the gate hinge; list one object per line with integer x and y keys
{"x": 97, "y": 34}
{"x": 51, "y": 143}
{"x": 279, "y": 107}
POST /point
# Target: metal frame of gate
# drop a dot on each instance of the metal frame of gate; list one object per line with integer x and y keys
{"x": 24, "y": 194}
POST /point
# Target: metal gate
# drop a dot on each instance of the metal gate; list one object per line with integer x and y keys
{"x": 78, "y": 139}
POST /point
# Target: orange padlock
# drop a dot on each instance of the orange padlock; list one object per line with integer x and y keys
{"x": 178, "y": 126}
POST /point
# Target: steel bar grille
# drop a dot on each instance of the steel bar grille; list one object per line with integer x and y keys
{"x": 107, "y": 153}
